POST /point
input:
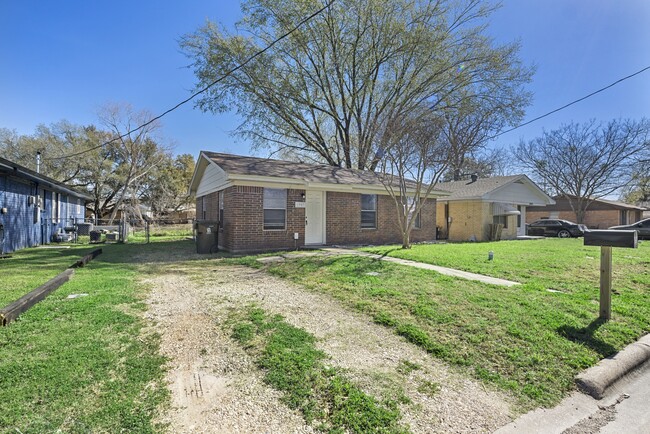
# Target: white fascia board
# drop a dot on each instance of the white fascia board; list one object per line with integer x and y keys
{"x": 462, "y": 199}
{"x": 199, "y": 169}
{"x": 217, "y": 187}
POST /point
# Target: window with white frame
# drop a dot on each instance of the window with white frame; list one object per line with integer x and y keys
{"x": 204, "y": 211}
{"x": 369, "y": 211}
{"x": 275, "y": 208}
{"x": 78, "y": 207}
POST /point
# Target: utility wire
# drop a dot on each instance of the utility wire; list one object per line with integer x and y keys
{"x": 570, "y": 104}
{"x": 204, "y": 89}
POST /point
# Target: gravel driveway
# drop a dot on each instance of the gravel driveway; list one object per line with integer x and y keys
{"x": 216, "y": 388}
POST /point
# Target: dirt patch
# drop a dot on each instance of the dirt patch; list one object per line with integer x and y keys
{"x": 216, "y": 388}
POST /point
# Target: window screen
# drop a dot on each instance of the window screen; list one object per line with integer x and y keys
{"x": 369, "y": 211}
{"x": 275, "y": 208}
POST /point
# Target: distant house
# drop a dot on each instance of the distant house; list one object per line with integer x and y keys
{"x": 263, "y": 204}
{"x": 34, "y": 207}
{"x": 600, "y": 214}
{"x": 475, "y": 206}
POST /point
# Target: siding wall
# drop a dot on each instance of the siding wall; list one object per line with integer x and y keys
{"x": 243, "y": 220}
{"x": 24, "y": 224}
{"x": 471, "y": 220}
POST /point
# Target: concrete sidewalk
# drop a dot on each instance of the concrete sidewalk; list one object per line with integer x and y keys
{"x": 623, "y": 409}
{"x": 442, "y": 270}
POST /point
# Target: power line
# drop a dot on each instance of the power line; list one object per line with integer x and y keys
{"x": 571, "y": 103}
{"x": 204, "y": 89}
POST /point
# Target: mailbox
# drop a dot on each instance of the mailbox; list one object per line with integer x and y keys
{"x": 611, "y": 238}
{"x": 606, "y": 240}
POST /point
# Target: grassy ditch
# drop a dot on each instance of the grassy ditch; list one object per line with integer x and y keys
{"x": 78, "y": 364}
{"x": 524, "y": 339}
{"x": 294, "y": 366}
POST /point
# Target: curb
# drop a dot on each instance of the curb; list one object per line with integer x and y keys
{"x": 596, "y": 380}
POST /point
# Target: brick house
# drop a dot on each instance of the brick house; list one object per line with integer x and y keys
{"x": 262, "y": 204}
{"x": 476, "y": 205}
{"x": 34, "y": 207}
{"x": 600, "y": 214}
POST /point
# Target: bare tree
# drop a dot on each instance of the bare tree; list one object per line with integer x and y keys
{"x": 585, "y": 161}
{"x": 415, "y": 158}
{"x": 135, "y": 154}
{"x": 326, "y": 92}
{"x": 478, "y": 113}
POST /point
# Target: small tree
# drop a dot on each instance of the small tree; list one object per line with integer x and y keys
{"x": 413, "y": 161}
{"x": 587, "y": 161}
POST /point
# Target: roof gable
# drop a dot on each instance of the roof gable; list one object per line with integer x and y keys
{"x": 513, "y": 188}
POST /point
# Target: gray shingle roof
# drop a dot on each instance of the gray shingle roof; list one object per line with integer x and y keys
{"x": 478, "y": 188}
{"x": 10, "y": 168}
{"x": 319, "y": 173}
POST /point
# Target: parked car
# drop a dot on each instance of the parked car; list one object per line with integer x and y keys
{"x": 642, "y": 227}
{"x": 556, "y": 228}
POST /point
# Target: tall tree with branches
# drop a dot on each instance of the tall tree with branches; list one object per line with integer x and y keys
{"x": 135, "y": 153}
{"x": 327, "y": 91}
{"x": 586, "y": 161}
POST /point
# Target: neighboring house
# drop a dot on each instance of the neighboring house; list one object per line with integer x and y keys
{"x": 476, "y": 205}
{"x": 33, "y": 207}
{"x": 600, "y": 214}
{"x": 263, "y": 204}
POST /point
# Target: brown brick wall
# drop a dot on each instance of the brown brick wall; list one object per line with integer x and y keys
{"x": 600, "y": 219}
{"x": 344, "y": 221}
{"x": 244, "y": 221}
{"x": 243, "y": 226}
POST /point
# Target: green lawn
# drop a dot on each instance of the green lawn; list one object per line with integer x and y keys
{"x": 524, "y": 339}
{"x": 27, "y": 269}
{"x": 83, "y": 364}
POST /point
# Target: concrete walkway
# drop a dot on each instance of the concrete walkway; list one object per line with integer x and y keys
{"x": 442, "y": 270}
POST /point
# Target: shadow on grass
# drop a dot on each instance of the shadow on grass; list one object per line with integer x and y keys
{"x": 585, "y": 336}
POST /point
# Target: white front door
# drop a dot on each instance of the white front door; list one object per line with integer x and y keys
{"x": 521, "y": 221}
{"x": 314, "y": 217}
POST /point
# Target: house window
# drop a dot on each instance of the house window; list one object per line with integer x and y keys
{"x": 520, "y": 209}
{"x": 275, "y": 208}
{"x": 204, "y": 211}
{"x": 221, "y": 209}
{"x": 369, "y": 211}
{"x": 412, "y": 207}
{"x": 78, "y": 207}
{"x": 501, "y": 219}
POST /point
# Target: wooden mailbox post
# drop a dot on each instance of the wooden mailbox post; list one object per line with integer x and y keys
{"x": 606, "y": 240}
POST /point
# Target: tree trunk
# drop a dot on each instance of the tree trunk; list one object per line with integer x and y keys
{"x": 406, "y": 239}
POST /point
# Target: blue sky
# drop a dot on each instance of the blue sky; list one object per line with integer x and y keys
{"x": 63, "y": 60}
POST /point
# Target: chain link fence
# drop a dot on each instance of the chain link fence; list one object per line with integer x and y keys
{"x": 145, "y": 230}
